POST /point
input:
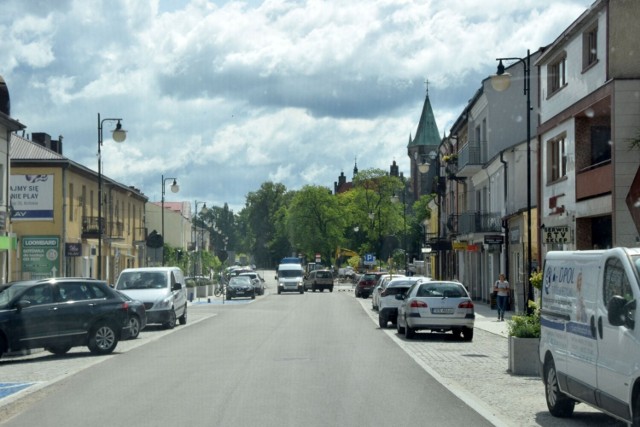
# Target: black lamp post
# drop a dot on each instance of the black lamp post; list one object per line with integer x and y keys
{"x": 119, "y": 135}
{"x": 174, "y": 189}
{"x": 500, "y": 82}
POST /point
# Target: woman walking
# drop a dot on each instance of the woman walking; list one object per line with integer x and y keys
{"x": 501, "y": 288}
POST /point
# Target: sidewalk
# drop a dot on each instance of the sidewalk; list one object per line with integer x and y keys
{"x": 477, "y": 373}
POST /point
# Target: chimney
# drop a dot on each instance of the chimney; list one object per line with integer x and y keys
{"x": 57, "y": 145}
{"x": 41, "y": 138}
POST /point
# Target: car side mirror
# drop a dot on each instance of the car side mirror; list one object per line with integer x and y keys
{"x": 23, "y": 303}
{"x": 176, "y": 287}
{"x": 400, "y": 297}
{"x": 621, "y": 312}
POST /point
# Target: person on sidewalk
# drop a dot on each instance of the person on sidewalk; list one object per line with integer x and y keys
{"x": 501, "y": 288}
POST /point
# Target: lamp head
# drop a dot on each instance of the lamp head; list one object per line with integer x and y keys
{"x": 203, "y": 209}
{"x": 423, "y": 167}
{"x": 119, "y": 134}
{"x": 175, "y": 187}
{"x": 395, "y": 198}
{"x": 501, "y": 80}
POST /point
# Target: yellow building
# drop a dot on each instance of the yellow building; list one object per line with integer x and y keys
{"x": 54, "y": 215}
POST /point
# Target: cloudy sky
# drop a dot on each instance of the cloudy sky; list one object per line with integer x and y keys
{"x": 225, "y": 95}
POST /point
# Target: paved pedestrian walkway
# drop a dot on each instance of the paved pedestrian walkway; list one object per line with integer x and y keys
{"x": 477, "y": 372}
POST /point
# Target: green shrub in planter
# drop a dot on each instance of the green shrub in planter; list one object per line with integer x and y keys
{"x": 525, "y": 325}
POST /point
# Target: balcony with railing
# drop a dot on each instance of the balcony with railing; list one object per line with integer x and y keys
{"x": 479, "y": 222}
{"x": 471, "y": 157}
{"x": 91, "y": 228}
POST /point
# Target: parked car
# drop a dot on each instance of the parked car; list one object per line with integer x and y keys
{"x": 319, "y": 280}
{"x": 58, "y": 314}
{"x": 388, "y": 303}
{"x": 366, "y": 283}
{"x": 163, "y": 291}
{"x": 240, "y": 286}
{"x": 258, "y": 282}
{"x": 380, "y": 286}
{"x": 137, "y": 315}
{"x": 439, "y": 306}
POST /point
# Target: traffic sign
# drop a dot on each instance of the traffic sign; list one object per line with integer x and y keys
{"x": 369, "y": 259}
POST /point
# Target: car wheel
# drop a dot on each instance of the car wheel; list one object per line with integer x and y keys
{"x": 399, "y": 328}
{"x": 409, "y": 332}
{"x": 134, "y": 327}
{"x": 59, "y": 350}
{"x": 102, "y": 338}
{"x": 636, "y": 410}
{"x": 558, "y": 403}
{"x": 382, "y": 321}
{"x": 279, "y": 291}
{"x": 331, "y": 289}
{"x": 228, "y": 297}
{"x": 183, "y": 318}
{"x": 171, "y": 323}
{"x": 467, "y": 334}
{"x": 253, "y": 296}
{"x": 302, "y": 291}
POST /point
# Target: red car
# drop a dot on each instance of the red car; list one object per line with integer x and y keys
{"x": 368, "y": 281}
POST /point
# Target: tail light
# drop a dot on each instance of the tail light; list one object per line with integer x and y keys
{"x": 418, "y": 304}
{"x": 125, "y": 306}
{"x": 466, "y": 304}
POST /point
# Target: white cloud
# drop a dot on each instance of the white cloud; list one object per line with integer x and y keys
{"x": 227, "y": 95}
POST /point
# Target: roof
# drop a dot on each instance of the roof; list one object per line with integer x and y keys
{"x": 24, "y": 152}
{"x": 427, "y": 132}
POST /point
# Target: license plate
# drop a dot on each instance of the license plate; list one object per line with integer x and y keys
{"x": 442, "y": 310}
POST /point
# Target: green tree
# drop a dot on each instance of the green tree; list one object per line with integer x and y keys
{"x": 315, "y": 222}
{"x": 261, "y": 207}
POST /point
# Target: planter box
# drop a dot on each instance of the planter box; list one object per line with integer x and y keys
{"x": 524, "y": 357}
{"x": 201, "y": 291}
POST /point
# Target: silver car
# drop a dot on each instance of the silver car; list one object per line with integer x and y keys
{"x": 377, "y": 290}
{"x": 388, "y": 302}
{"x": 438, "y": 306}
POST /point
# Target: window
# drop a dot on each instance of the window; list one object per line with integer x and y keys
{"x": 589, "y": 47}
{"x": 600, "y": 144}
{"x": 557, "y": 74}
{"x": 616, "y": 281}
{"x": 71, "y": 202}
{"x": 557, "y": 159}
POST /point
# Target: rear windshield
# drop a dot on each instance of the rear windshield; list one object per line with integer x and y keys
{"x": 323, "y": 274}
{"x": 396, "y": 290}
{"x": 449, "y": 290}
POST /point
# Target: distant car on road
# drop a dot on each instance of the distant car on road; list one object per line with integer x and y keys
{"x": 366, "y": 283}
{"x": 437, "y": 306}
{"x": 258, "y": 282}
{"x": 58, "y": 314}
{"x": 240, "y": 286}
{"x": 319, "y": 280}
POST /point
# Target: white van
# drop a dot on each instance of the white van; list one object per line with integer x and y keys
{"x": 162, "y": 290}
{"x": 590, "y": 333}
{"x": 290, "y": 278}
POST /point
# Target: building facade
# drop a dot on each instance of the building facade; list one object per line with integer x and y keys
{"x": 54, "y": 204}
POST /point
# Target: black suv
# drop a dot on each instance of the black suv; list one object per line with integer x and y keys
{"x": 60, "y": 313}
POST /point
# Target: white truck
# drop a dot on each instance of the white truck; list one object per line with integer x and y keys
{"x": 590, "y": 331}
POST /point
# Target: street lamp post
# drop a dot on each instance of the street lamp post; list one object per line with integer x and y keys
{"x": 118, "y": 135}
{"x": 500, "y": 82}
{"x": 174, "y": 189}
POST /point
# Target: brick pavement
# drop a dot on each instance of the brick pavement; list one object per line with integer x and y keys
{"x": 477, "y": 372}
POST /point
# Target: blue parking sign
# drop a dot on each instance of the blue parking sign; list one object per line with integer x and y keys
{"x": 369, "y": 259}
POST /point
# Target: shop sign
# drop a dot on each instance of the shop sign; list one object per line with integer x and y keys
{"x": 560, "y": 234}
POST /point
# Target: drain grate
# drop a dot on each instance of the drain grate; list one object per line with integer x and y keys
{"x": 475, "y": 355}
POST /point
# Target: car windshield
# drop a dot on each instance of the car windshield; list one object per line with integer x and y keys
{"x": 141, "y": 280}
{"x": 8, "y": 292}
{"x": 323, "y": 274}
{"x": 289, "y": 274}
{"x": 240, "y": 281}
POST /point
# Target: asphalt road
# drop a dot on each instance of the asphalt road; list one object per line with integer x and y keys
{"x": 281, "y": 360}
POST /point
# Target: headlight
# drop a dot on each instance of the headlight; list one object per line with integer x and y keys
{"x": 165, "y": 303}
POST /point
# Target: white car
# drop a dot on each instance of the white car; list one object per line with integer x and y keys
{"x": 388, "y": 305}
{"x": 382, "y": 284}
{"x": 439, "y": 306}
